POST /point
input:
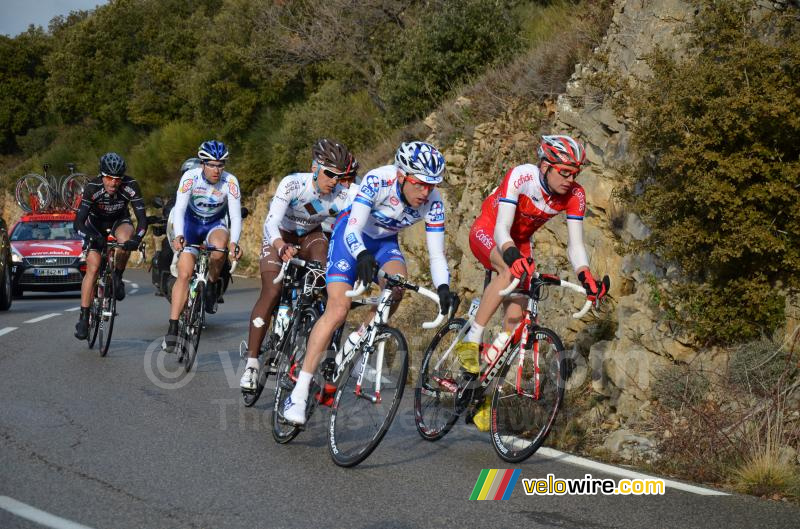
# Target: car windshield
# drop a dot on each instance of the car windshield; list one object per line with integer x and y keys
{"x": 44, "y": 231}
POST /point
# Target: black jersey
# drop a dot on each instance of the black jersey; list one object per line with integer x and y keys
{"x": 105, "y": 209}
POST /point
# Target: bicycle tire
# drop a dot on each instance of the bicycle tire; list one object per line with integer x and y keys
{"x": 108, "y": 304}
{"x": 520, "y": 422}
{"x": 292, "y": 354}
{"x": 94, "y": 319}
{"x": 249, "y": 398}
{"x": 71, "y": 190}
{"x": 352, "y": 439}
{"x": 33, "y": 186}
{"x": 435, "y": 410}
{"x": 194, "y": 326}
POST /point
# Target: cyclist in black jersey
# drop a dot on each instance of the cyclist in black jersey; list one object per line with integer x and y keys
{"x": 104, "y": 205}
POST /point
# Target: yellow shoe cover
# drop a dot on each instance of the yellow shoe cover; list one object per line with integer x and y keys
{"x": 483, "y": 416}
{"x": 467, "y": 353}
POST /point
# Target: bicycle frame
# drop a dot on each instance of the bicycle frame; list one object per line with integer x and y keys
{"x": 382, "y": 314}
{"x": 520, "y": 335}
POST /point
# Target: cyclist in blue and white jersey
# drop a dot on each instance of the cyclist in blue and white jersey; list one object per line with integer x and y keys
{"x": 205, "y": 195}
{"x": 302, "y": 203}
{"x": 390, "y": 199}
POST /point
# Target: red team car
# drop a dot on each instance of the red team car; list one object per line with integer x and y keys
{"x": 46, "y": 253}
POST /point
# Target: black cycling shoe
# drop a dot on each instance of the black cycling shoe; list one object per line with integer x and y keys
{"x": 82, "y": 329}
{"x": 119, "y": 286}
{"x": 171, "y": 339}
{"x": 212, "y": 292}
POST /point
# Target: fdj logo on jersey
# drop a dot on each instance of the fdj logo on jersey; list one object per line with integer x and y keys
{"x": 437, "y": 211}
{"x": 352, "y": 242}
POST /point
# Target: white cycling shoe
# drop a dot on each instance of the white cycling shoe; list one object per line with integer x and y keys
{"x": 249, "y": 379}
{"x": 294, "y": 412}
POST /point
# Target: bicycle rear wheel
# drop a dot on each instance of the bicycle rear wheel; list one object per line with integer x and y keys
{"x": 194, "y": 326}
{"x": 523, "y": 411}
{"x": 361, "y": 415}
{"x": 289, "y": 363}
{"x": 108, "y": 311}
{"x": 249, "y": 398}
{"x": 435, "y": 395}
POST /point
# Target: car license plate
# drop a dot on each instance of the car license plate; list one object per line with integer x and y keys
{"x": 50, "y": 271}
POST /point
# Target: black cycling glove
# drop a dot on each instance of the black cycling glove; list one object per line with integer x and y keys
{"x": 366, "y": 267}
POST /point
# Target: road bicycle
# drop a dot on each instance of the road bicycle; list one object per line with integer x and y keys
{"x": 365, "y": 387}
{"x": 302, "y": 290}
{"x": 71, "y": 188}
{"x": 529, "y": 374}
{"x": 193, "y": 316}
{"x": 103, "y": 310}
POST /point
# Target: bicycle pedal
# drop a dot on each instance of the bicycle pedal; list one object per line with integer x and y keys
{"x": 328, "y": 369}
{"x": 286, "y": 382}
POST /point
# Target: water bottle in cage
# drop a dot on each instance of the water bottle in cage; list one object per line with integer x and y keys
{"x": 352, "y": 341}
{"x": 493, "y": 351}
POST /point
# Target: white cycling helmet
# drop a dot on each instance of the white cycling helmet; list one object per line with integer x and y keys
{"x": 422, "y": 160}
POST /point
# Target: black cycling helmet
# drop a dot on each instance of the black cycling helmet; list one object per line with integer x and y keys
{"x": 333, "y": 154}
{"x": 191, "y": 163}
{"x": 112, "y": 164}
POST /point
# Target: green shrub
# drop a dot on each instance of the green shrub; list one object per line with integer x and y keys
{"x": 719, "y": 177}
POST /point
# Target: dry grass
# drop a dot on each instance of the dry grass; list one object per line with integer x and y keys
{"x": 768, "y": 475}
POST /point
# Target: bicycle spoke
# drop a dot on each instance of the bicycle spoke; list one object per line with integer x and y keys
{"x": 525, "y": 406}
{"x": 367, "y": 399}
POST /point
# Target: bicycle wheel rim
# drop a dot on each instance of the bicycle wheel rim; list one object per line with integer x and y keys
{"x": 520, "y": 422}
{"x": 434, "y": 406}
{"x": 107, "y": 322}
{"x": 292, "y": 354}
{"x": 194, "y": 328}
{"x": 357, "y": 425}
{"x": 94, "y": 323}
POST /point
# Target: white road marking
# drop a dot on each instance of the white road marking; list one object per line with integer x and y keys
{"x": 134, "y": 291}
{"x": 6, "y": 330}
{"x": 40, "y": 318}
{"x": 73, "y": 309}
{"x": 239, "y": 275}
{"x": 134, "y": 285}
{"x": 23, "y": 510}
{"x": 623, "y": 472}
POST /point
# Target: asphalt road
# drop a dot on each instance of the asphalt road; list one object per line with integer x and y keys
{"x": 113, "y": 442}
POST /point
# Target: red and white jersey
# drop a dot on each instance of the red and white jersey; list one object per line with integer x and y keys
{"x": 523, "y": 203}
{"x": 524, "y": 188}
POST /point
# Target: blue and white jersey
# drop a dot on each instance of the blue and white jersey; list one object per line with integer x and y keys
{"x": 298, "y": 207}
{"x": 379, "y": 211}
{"x": 200, "y": 202}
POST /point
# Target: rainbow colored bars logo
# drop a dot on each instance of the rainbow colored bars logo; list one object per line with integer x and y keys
{"x": 495, "y": 484}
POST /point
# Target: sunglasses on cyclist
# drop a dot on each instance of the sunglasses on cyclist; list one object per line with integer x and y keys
{"x": 219, "y": 166}
{"x": 566, "y": 172}
{"x": 114, "y": 177}
{"x": 339, "y": 176}
{"x": 411, "y": 179}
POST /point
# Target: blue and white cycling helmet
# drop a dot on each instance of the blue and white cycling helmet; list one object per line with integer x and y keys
{"x": 421, "y": 160}
{"x": 212, "y": 150}
{"x": 191, "y": 163}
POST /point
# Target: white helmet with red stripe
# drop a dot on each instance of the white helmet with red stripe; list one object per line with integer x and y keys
{"x": 562, "y": 150}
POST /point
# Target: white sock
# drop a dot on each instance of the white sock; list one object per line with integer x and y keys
{"x": 252, "y": 362}
{"x": 300, "y": 391}
{"x": 475, "y": 333}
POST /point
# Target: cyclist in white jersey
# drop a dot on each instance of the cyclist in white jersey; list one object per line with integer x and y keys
{"x": 205, "y": 195}
{"x": 302, "y": 203}
{"x": 390, "y": 198}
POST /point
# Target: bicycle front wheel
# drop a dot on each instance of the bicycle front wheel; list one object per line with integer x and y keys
{"x": 289, "y": 363}
{"x": 435, "y": 395}
{"x": 526, "y": 399}
{"x": 194, "y": 326}
{"x": 365, "y": 405}
{"x": 94, "y": 320}
{"x": 108, "y": 310}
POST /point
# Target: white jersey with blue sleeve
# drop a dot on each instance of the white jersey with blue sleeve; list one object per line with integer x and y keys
{"x": 379, "y": 211}
{"x": 201, "y": 202}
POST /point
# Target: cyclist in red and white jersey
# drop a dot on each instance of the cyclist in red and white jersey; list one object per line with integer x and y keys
{"x": 500, "y": 237}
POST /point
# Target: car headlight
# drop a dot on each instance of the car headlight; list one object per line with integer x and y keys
{"x": 16, "y": 257}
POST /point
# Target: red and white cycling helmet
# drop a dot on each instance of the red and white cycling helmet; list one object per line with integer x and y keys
{"x": 562, "y": 150}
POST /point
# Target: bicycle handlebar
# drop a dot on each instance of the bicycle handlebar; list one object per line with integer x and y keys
{"x": 359, "y": 289}
{"x": 295, "y": 261}
{"x": 561, "y": 282}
